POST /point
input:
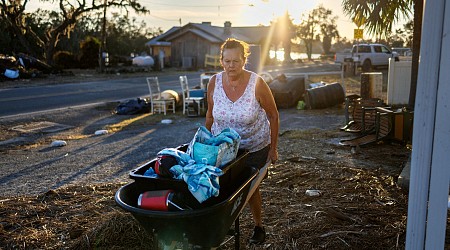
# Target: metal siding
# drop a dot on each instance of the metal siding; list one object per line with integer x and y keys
{"x": 440, "y": 170}
{"x": 424, "y": 130}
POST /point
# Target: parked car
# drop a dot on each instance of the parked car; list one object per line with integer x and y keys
{"x": 340, "y": 57}
{"x": 368, "y": 56}
{"x": 403, "y": 51}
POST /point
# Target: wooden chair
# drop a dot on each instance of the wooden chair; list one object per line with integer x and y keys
{"x": 383, "y": 129}
{"x": 363, "y": 114}
{"x": 197, "y": 102}
{"x": 157, "y": 101}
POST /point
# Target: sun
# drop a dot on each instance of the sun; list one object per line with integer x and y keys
{"x": 262, "y": 12}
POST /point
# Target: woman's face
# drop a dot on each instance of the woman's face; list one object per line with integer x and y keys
{"x": 232, "y": 61}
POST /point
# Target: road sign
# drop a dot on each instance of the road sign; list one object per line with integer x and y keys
{"x": 359, "y": 20}
{"x": 358, "y": 34}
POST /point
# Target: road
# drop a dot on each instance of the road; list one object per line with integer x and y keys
{"x": 23, "y": 101}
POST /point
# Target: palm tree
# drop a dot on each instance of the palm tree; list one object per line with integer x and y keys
{"x": 380, "y": 15}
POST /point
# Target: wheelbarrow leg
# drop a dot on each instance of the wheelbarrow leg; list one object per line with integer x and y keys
{"x": 185, "y": 242}
{"x": 237, "y": 234}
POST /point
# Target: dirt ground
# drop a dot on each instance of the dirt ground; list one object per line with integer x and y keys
{"x": 360, "y": 206}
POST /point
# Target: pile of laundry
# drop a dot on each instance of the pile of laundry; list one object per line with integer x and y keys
{"x": 201, "y": 175}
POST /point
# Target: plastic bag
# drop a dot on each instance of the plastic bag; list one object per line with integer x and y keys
{"x": 133, "y": 106}
{"x": 213, "y": 150}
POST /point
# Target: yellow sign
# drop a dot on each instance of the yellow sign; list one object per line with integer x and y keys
{"x": 359, "y": 20}
{"x": 358, "y": 34}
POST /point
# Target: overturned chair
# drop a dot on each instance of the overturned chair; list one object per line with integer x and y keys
{"x": 360, "y": 114}
{"x": 383, "y": 128}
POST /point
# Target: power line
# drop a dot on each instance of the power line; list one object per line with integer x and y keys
{"x": 197, "y": 6}
{"x": 165, "y": 19}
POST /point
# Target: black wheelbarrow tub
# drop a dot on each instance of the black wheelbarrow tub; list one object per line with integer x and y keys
{"x": 206, "y": 227}
{"x": 230, "y": 172}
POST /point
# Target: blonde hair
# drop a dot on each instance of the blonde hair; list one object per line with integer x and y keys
{"x": 232, "y": 43}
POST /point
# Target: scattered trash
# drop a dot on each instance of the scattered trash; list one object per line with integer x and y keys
{"x": 317, "y": 84}
{"x": 11, "y": 73}
{"x": 301, "y": 105}
{"x": 313, "y": 192}
{"x": 355, "y": 150}
{"x": 133, "y": 106}
{"x": 101, "y": 132}
{"x": 309, "y": 158}
{"x": 166, "y": 121}
{"x": 58, "y": 143}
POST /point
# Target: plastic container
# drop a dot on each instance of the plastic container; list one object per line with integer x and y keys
{"x": 161, "y": 200}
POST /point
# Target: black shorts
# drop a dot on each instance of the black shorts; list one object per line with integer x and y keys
{"x": 258, "y": 159}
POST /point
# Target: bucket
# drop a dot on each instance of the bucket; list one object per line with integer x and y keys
{"x": 159, "y": 200}
{"x": 325, "y": 96}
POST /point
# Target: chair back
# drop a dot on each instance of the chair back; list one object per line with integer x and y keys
{"x": 184, "y": 86}
{"x": 153, "y": 87}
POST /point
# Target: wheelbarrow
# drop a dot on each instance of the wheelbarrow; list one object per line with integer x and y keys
{"x": 205, "y": 226}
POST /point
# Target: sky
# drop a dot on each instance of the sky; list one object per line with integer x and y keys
{"x": 240, "y": 13}
{"x": 169, "y": 13}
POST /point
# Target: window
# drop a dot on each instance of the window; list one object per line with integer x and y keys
{"x": 362, "y": 49}
{"x": 385, "y": 49}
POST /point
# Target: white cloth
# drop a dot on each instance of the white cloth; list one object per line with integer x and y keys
{"x": 245, "y": 115}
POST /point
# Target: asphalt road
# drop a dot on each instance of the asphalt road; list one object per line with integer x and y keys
{"x": 23, "y": 101}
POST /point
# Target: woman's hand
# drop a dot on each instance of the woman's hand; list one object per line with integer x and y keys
{"x": 273, "y": 155}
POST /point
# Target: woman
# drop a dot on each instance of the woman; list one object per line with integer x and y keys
{"x": 240, "y": 99}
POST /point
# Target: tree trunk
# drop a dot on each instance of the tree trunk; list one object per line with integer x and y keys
{"x": 308, "y": 45}
{"x": 418, "y": 11}
{"x": 287, "y": 51}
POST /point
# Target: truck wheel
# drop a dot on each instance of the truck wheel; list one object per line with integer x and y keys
{"x": 367, "y": 66}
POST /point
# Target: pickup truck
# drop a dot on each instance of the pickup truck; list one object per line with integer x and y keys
{"x": 367, "y": 56}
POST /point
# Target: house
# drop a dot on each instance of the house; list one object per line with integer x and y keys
{"x": 191, "y": 44}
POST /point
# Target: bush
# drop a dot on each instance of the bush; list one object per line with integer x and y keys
{"x": 89, "y": 53}
{"x": 65, "y": 60}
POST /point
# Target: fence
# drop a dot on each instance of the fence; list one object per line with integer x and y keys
{"x": 399, "y": 82}
{"x": 213, "y": 61}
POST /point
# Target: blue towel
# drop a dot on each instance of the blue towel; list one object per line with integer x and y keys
{"x": 202, "y": 179}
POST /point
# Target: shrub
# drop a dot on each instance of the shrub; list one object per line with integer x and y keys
{"x": 65, "y": 60}
{"x": 89, "y": 49}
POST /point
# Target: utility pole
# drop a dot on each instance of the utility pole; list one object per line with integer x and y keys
{"x": 102, "y": 53}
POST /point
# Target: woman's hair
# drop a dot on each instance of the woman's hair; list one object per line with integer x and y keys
{"x": 232, "y": 43}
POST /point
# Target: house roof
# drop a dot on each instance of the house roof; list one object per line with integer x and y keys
{"x": 214, "y": 34}
{"x": 159, "y": 40}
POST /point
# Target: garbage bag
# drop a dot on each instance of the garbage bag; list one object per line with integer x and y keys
{"x": 133, "y": 106}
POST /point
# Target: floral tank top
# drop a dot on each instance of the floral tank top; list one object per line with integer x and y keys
{"x": 245, "y": 115}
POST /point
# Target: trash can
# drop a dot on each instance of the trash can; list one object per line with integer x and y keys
{"x": 348, "y": 67}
